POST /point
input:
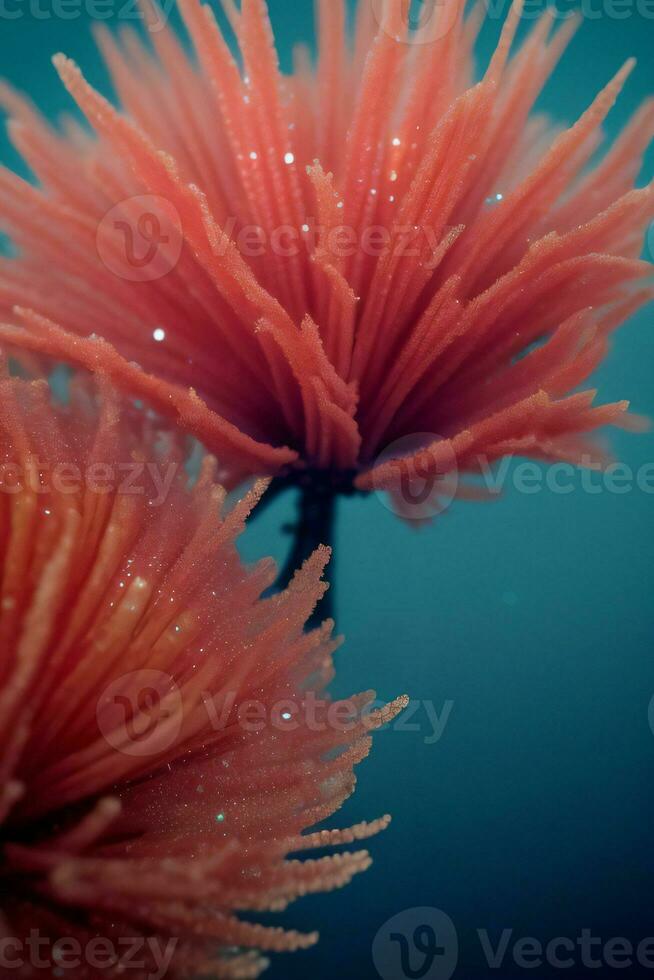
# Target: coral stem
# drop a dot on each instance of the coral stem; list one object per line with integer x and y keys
{"x": 316, "y": 513}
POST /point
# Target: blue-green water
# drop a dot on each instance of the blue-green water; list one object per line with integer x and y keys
{"x": 530, "y": 617}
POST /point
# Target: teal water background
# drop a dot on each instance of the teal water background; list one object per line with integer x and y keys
{"x": 532, "y": 616}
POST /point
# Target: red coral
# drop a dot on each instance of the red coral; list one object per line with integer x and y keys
{"x": 165, "y": 735}
{"x": 498, "y": 272}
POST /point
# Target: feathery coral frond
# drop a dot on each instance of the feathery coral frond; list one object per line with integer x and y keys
{"x": 344, "y": 257}
{"x": 166, "y": 737}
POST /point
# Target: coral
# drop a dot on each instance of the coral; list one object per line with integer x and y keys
{"x": 166, "y": 739}
{"x": 366, "y": 250}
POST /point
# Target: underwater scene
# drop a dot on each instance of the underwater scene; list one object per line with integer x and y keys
{"x": 326, "y": 489}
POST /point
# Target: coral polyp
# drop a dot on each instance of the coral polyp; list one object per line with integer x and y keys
{"x": 367, "y": 249}
{"x": 166, "y": 739}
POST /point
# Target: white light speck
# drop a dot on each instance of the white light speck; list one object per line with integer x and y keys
{"x": 159, "y": 335}
{"x": 393, "y": 175}
{"x": 254, "y": 155}
{"x": 397, "y": 141}
{"x": 495, "y": 199}
{"x": 289, "y": 158}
